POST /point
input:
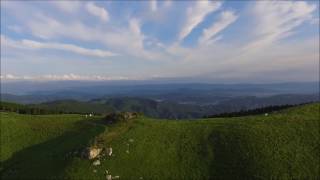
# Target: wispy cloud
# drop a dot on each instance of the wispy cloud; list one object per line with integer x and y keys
{"x": 196, "y": 14}
{"x": 15, "y": 28}
{"x": 30, "y": 44}
{"x": 153, "y": 5}
{"x": 97, "y": 11}
{"x": 90, "y": 30}
{"x": 277, "y": 20}
{"x": 64, "y": 77}
{"x": 67, "y": 6}
{"x": 167, "y": 3}
{"x": 226, "y": 18}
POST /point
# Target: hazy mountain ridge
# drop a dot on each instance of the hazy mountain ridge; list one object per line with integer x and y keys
{"x": 188, "y": 93}
{"x": 171, "y": 109}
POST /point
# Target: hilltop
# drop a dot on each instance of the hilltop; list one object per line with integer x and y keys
{"x": 281, "y": 145}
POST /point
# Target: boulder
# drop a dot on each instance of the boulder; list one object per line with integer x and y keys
{"x": 108, "y": 177}
{"x": 91, "y": 152}
{"x": 110, "y": 151}
{"x": 96, "y": 162}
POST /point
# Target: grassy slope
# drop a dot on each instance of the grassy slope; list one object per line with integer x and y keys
{"x": 282, "y": 145}
{"x": 35, "y": 145}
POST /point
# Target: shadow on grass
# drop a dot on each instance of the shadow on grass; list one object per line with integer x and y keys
{"x": 230, "y": 150}
{"x": 48, "y": 160}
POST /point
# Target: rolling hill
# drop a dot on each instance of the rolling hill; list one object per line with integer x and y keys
{"x": 171, "y": 109}
{"x": 281, "y": 145}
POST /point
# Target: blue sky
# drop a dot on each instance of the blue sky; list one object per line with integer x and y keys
{"x": 108, "y": 40}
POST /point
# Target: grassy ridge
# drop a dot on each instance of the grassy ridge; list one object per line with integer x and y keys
{"x": 283, "y": 145}
{"x": 280, "y": 146}
{"x": 34, "y": 146}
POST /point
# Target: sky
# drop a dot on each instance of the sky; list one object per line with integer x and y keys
{"x": 216, "y": 41}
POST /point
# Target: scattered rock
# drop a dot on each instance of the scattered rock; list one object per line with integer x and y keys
{"x": 95, "y": 171}
{"x": 127, "y": 151}
{"x": 96, "y": 162}
{"x": 108, "y": 177}
{"x": 141, "y": 178}
{"x": 266, "y": 114}
{"x": 110, "y": 151}
{"x": 107, "y": 172}
{"x": 116, "y": 177}
{"x": 131, "y": 140}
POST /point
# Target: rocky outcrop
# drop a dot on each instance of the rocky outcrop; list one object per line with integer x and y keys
{"x": 121, "y": 117}
{"x": 91, "y": 152}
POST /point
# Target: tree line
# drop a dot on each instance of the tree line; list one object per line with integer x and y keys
{"x": 25, "y": 109}
{"x": 262, "y": 110}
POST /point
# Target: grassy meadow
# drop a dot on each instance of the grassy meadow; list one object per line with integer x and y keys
{"x": 282, "y": 145}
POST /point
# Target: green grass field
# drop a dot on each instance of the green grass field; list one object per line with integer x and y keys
{"x": 283, "y": 145}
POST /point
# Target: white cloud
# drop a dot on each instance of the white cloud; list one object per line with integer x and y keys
{"x": 196, "y": 14}
{"x": 277, "y": 20}
{"x": 68, "y": 47}
{"x": 153, "y": 5}
{"x": 274, "y": 21}
{"x": 226, "y": 18}
{"x": 167, "y": 3}
{"x": 15, "y": 28}
{"x": 30, "y": 44}
{"x": 129, "y": 39}
{"x": 65, "y": 77}
{"x": 67, "y": 6}
{"x": 97, "y": 11}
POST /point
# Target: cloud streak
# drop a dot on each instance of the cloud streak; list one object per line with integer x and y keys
{"x": 226, "y": 18}
{"x": 196, "y": 14}
{"x": 67, "y": 6}
{"x": 168, "y": 39}
{"x": 97, "y": 11}
{"x": 35, "y": 45}
{"x": 64, "y": 77}
{"x": 153, "y": 5}
{"x": 276, "y": 20}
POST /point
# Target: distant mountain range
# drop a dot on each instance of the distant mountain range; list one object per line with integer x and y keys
{"x": 170, "y": 109}
{"x": 174, "y": 101}
{"x": 192, "y": 93}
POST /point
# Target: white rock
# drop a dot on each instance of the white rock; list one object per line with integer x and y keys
{"x": 92, "y": 152}
{"x": 110, "y": 151}
{"x": 108, "y": 177}
{"x": 96, "y": 162}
